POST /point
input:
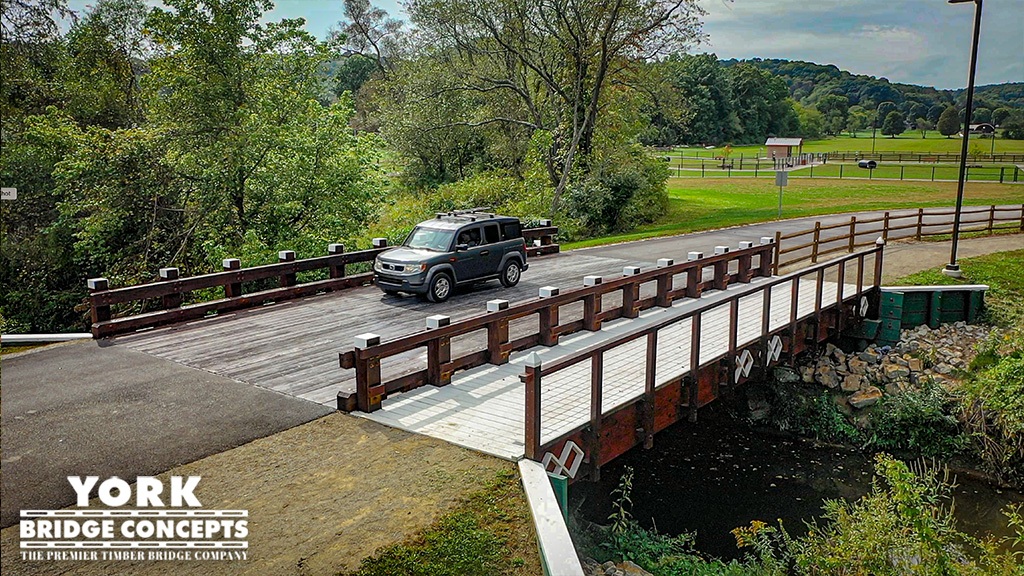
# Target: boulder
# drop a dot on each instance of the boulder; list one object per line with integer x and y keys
{"x": 915, "y": 364}
{"x": 807, "y": 374}
{"x": 628, "y": 568}
{"x": 852, "y": 383}
{"x": 826, "y": 376}
{"x": 870, "y": 356}
{"x": 895, "y": 371}
{"x": 864, "y": 398}
{"x": 857, "y": 366}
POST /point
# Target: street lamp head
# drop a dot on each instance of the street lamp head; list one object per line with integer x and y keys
{"x": 961, "y": 1}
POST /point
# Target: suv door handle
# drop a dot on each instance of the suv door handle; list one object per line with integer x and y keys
{"x": 485, "y": 252}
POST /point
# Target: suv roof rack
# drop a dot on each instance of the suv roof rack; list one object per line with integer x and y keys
{"x": 470, "y": 214}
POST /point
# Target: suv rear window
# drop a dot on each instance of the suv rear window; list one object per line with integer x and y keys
{"x": 491, "y": 233}
{"x": 511, "y": 230}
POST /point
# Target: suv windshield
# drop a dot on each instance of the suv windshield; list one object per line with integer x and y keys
{"x": 434, "y": 239}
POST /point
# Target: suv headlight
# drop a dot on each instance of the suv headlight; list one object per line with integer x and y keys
{"x": 376, "y": 265}
{"x": 413, "y": 269}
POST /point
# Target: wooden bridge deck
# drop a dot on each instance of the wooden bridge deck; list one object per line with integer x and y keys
{"x": 483, "y": 408}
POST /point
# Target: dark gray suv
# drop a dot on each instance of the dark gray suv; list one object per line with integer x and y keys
{"x": 454, "y": 248}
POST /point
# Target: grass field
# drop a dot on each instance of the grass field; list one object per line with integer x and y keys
{"x": 709, "y": 203}
{"x": 691, "y": 168}
{"x": 910, "y": 141}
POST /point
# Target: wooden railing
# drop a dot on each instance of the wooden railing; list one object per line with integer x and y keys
{"x": 827, "y": 239}
{"x": 160, "y": 303}
{"x": 369, "y": 351}
{"x": 609, "y": 434}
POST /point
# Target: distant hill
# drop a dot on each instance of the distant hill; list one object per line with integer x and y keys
{"x": 809, "y": 82}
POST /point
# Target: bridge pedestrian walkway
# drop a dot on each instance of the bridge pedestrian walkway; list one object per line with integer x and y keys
{"x": 483, "y": 408}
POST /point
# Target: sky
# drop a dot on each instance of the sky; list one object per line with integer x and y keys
{"x": 912, "y": 41}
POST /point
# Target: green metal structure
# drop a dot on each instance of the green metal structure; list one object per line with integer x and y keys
{"x": 912, "y": 306}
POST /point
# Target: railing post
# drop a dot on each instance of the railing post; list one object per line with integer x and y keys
{"x": 649, "y": 383}
{"x": 1022, "y": 217}
{"x": 694, "y": 276}
{"x": 664, "y": 295}
{"x": 853, "y": 234}
{"x": 920, "y": 222}
{"x": 777, "y": 256}
{"x": 548, "y": 318}
{"x": 596, "y": 413}
{"x": 991, "y": 219}
{"x": 885, "y": 227}
{"x": 879, "y": 249}
{"x": 439, "y": 352}
{"x": 172, "y": 300}
{"x": 287, "y": 278}
{"x": 336, "y": 270}
{"x": 591, "y": 305}
{"x": 232, "y": 289}
{"x": 721, "y": 281}
{"x": 497, "y": 334}
{"x": 532, "y": 417}
{"x": 743, "y": 273}
{"x": 694, "y": 365}
{"x": 630, "y": 293}
{"x": 369, "y": 391}
{"x": 814, "y": 244}
{"x": 101, "y": 312}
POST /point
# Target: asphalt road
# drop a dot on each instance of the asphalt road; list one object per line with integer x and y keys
{"x": 82, "y": 409}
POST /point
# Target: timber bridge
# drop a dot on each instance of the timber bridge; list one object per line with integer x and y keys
{"x": 610, "y": 346}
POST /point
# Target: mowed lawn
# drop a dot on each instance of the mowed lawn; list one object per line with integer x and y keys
{"x": 707, "y": 204}
{"x": 909, "y": 141}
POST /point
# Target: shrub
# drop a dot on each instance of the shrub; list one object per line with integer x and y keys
{"x": 920, "y": 422}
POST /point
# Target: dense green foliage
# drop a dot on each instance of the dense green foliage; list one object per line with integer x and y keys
{"x": 903, "y": 526}
{"x": 171, "y": 137}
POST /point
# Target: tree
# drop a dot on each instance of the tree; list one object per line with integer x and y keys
{"x": 263, "y": 162}
{"x": 999, "y": 115}
{"x": 1013, "y": 126}
{"x": 550, "y": 64}
{"x": 894, "y": 124}
{"x": 981, "y": 115}
{"x": 703, "y": 88}
{"x": 369, "y": 32}
{"x": 857, "y": 119}
{"x": 835, "y": 109}
{"x": 923, "y": 126}
{"x": 934, "y": 112}
{"x": 883, "y": 110}
{"x": 812, "y": 122}
{"x": 949, "y": 122}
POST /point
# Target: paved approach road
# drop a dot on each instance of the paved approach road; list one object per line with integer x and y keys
{"x": 142, "y": 403}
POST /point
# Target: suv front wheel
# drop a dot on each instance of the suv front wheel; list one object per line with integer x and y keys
{"x": 440, "y": 288}
{"x": 510, "y": 274}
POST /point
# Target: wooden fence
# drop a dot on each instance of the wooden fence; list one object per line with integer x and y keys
{"x": 827, "y": 239}
{"x": 369, "y": 352}
{"x": 922, "y": 157}
{"x": 160, "y": 303}
{"x": 610, "y": 434}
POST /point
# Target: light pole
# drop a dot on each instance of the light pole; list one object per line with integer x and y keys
{"x": 953, "y": 268}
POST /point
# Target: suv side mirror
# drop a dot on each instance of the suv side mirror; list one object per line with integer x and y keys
{"x": 461, "y": 247}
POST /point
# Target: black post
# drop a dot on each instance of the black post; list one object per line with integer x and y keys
{"x": 953, "y": 268}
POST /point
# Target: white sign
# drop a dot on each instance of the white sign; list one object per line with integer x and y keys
{"x": 9, "y": 193}
{"x": 781, "y": 178}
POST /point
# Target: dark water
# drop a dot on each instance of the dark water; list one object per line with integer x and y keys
{"x": 720, "y": 473}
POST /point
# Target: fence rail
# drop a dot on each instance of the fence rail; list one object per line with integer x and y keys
{"x": 827, "y": 239}
{"x": 760, "y": 168}
{"x": 159, "y": 303}
{"x": 366, "y": 358}
{"x": 608, "y": 434}
{"x": 922, "y": 157}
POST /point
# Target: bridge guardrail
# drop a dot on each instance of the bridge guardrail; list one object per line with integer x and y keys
{"x": 369, "y": 351}
{"x": 827, "y": 239}
{"x": 166, "y": 296}
{"x": 606, "y": 435}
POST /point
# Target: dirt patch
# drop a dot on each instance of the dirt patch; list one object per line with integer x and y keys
{"x": 320, "y": 497}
